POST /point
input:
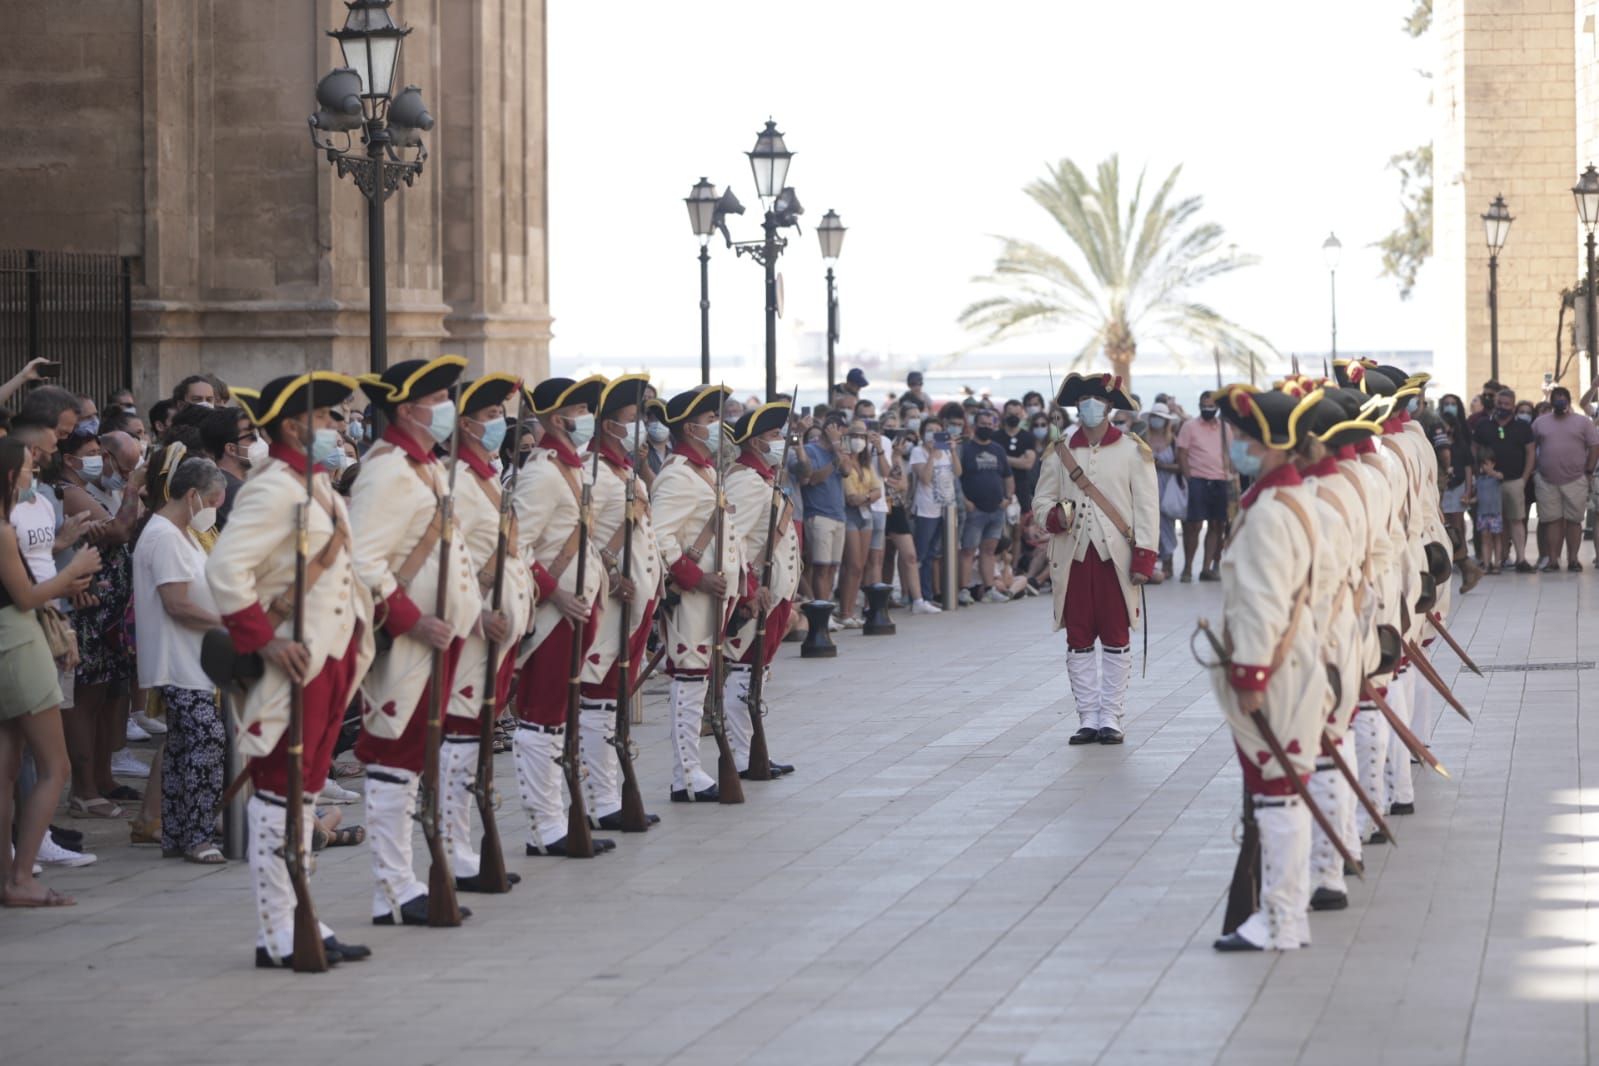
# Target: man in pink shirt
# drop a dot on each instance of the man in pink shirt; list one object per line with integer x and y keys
{"x": 1200, "y": 459}
{"x": 1568, "y": 449}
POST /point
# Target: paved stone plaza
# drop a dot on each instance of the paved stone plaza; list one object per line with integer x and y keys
{"x": 943, "y": 880}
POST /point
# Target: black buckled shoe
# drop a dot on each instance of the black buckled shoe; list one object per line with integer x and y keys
{"x": 346, "y": 952}
{"x": 473, "y": 884}
{"x": 601, "y": 846}
{"x": 414, "y": 912}
{"x": 1328, "y": 899}
{"x": 1086, "y": 735}
{"x": 775, "y": 770}
{"x": 1108, "y": 735}
{"x": 263, "y": 961}
{"x": 612, "y": 823}
{"x": 1234, "y": 942}
{"x": 1377, "y": 837}
{"x": 704, "y": 795}
{"x": 1401, "y": 808}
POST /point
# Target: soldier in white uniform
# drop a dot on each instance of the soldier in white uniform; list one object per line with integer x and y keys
{"x": 683, "y": 504}
{"x": 395, "y": 509}
{"x": 548, "y": 501}
{"x": 484, "y": 428}
{"x": 1098, "y": 494}
{"x": 1273, "y": 663}
{"x": 251, "y": 572}
{"x": 619, "y": 431}
{"x": 751, "y": 482}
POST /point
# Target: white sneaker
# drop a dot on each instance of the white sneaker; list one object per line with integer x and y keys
{"x": 852, "y": 623}
{"x": 995, "y": 596}
{"x": 833, "y": 624}
{"x": 333, "y": 792}
{"x": 154, "y": 726}
{"x": 53, "y": 854}
{"x": 136, "y": 732}
{"x": 923, "y": 607}
{"x": 126, "y": 764}
{"x": 964, "y": 597}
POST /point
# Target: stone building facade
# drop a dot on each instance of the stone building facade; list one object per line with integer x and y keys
{"x": 174, "y": 132}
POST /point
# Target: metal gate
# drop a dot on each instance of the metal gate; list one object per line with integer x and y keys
{"x": 72, "y": 308}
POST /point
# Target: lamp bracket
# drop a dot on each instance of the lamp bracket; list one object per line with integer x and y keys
{"x": 372, "y": 174}
{"x": 757, "y": 250}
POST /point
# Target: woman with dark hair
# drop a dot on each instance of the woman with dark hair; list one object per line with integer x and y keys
{"x": 30, "y": 696}
{"x": 1452, "y": 442}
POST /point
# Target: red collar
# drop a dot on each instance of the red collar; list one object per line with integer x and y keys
{"x": 693, "y": 454}
{"x": 562, "y": 450}
{"x": 1080, "y": 438}
{"x": 748, "y": 458}
{"x": 1365, "y": 447}
{"x": 1327, "y": 467}
{"x": 1348, "y": 452}
{"x": 608, "y": 451}
{"x": 480, "y": 467}
{"x": 1282, "y": 477}
{"x": 407, "y": 444}
{"x": 288, "y": 456}
{"x": 1395, "y": 424}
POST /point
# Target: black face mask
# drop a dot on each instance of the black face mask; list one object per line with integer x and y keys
{"x": 1560, "y": 404}
{"x": 1012, "y": 422}
{"x": 984, "y": 434}
{"x": 1207, "y": 413}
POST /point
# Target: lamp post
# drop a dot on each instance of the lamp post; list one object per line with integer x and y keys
{"x": 769, "y": 162}
{"x": 1496, "y": 227}
{"x": 360, "y": 96}
{"x": 1332, "y": 250}
{"x": 1586, "y": 193}
{"x": 831, "y": 233}
{"x": 707, "y": 213}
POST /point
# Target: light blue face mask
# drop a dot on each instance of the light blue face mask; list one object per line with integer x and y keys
{"x": 493, "y": 435}
{"x": 658, "y": 432}
{"x": 713, "y": 437}
{"x": 441, "y": 421}
{"x": 93, "y": 467}
{"x": 582, "y": 430}
{"x": 1091, "y": 412}
{"x": 776, "y": 450}
{"x": 1244, "y": 461}
{"x": 324, "y": 444}
{"x": 26, "y": 495}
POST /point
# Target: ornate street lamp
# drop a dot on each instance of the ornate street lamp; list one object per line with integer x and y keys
{"x": 1586, "y": 193}
{"x": 769, "y": 161}
{"x": 1332, "y": 250}
{"x": 831, "y": 233}
{"x": 1496, "y": 227}
{"x": 360, "y": 96}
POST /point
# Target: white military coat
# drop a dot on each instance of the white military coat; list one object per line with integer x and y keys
{"x": 683, "y": 501}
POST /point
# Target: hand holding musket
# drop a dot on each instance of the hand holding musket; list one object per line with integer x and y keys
{"x": 634, "y": 817}
{"x": 579, "y": 842}
{"x": 760, "y": 768}
{"x": 443, "y": 908}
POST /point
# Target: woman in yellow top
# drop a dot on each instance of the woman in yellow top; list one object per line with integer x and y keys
{"x": 862, "y": 487}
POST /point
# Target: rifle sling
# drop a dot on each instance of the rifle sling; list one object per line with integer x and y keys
{"x": 282, "y": 607}
{"x": 1080, "y": 478}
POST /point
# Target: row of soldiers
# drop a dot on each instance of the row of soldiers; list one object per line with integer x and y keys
{"x": 441, "y": 593}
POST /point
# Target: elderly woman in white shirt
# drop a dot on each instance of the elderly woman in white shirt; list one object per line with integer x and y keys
{"x": 172, "y": 609}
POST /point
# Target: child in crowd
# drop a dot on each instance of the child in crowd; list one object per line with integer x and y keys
{"x": 1490, "y": 521}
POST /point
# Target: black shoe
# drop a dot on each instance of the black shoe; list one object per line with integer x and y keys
{"x": 414, "y": 912}
{"x": 1377, "y": 837}
{"x": 612, "y": 823}
{"x": 782, "y": 769}
{"x": 1524, "y": 567}
{"x": 1212, "y": 575}
{"x": 70, "y": 839}
{"x": 601, "y": 846}
{"x": 1086, "y": 735}
{"x": 263, "y": 961}
{"x": 704, "y": 795}
{"x": 1327, "y": 899}
{"x": 1234, "y": 942}
{"x": 1107, "y": 735}
{"x": 1401, "y": 808}
{"x": 472, "y": 884}
{"x": 346, "y": 952}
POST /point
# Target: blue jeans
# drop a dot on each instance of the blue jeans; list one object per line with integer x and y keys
{"x": 929, "y": 537}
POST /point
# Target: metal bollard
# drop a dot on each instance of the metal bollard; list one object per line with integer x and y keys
{"x": 878, "y": 622}
{"x": 818, "y": 641}
{"x": 952, "y": 545}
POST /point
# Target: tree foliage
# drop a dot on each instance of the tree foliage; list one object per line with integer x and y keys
{"x": 1409, "y": 245}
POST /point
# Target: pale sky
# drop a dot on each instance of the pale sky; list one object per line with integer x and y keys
{"x": 921, "y": 122}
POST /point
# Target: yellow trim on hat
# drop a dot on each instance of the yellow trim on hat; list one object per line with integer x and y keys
{"x": 288, "y": 391}
{"x": 403, "y": 393}
{"x": 468, "y": 392}
{"x": 605, "y": 393}
{"x": 1309, "y": 401}
{"x": 1348, "y": 424}
{"x": 1378, "y": 409}
{"x": 560, "y": 401}
{"x": 754, "y": 416}
{"x": 699, "y": 396}
{"x": 1254, "y": 408}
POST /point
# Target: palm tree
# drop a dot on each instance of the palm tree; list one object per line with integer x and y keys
{"x": 1131, "y": 277}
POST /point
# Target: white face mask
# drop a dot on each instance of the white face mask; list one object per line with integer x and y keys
{"x": 582, "y": 429}
{"x": 257, "y": 452}
{"x": 776, "y": 452}
{"x": 1091, "y": 412}
{"x": 659, "y": 432}
{"x": 856, "y": 445}
{"x": 93, "y": 467}
{"x": 632, "y": 433}
{"x": 203, "y": 520}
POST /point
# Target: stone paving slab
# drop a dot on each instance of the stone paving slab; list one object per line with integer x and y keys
{"x": 944, "y": 880}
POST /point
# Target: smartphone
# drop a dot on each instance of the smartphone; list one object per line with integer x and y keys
{"x": 941, "y": 438}
{"x": 872, "y": 425}
{"x": 1548, "y": 378}
{"x": 51, "y": 371}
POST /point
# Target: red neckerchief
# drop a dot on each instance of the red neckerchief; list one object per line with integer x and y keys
{"x": 1395, "y": 424}
{"x": 692, "y": 453}
{"x": 1365, "y": 447}
{"x": 480, "y": 467}
{"x": 609, "y": 453}
{"x": 287, "y": 455}
{"x": 1283, "y": 476}
{"x": 562, "y": 450}
{"x": 1327, "y": 467}
{"x": 1348, "y": 452}
{"x": 415, "y": 452}
{"x": 1080, "y": 438}
{"x": 750, "y": 459}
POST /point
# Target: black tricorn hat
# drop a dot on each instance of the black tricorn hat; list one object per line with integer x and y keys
{"x": 1348, "y": 372}
{"x": 410, "y": 378}
{"x": 290, "y": 395}
{"x": 656, "y": 407}
{"x": 552, "y": 394}
{"x": 696, "y": 401}
{"x": 759, "y": 420}
{"x": 486, "y": 391}
{"x": 1332, "y": 423}
{"x": 625, "y": 391}
{"x": 1107, "y": 387}
{"x": 1273, "y": 418}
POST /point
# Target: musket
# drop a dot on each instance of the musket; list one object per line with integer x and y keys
{"x": 491, "y": 875}
{"x": 634, "y": 818}
{"x": 1422, "y": 664}
{"x": 1437, "y": 621}
{"x": 579, "y": 842}
{"x": 443, "y": 908}
{"x": 1329, "y": 749}
{"x": 1262, "y": 726}
{"x": 728, "y": 787}
{"x": 760, "y": 761}
{"x": 1226, "y": 456}
{"x": 1417, "y": 746}
{"x": 1243, "y": 892}
{"x": 649, "y": 668}
{"x": 309, "y": 955}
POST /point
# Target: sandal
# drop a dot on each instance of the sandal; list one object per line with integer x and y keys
{"x": 98, "y": 807}
{"x": 51, "y": 898}
{"x": 205, "y": 855}
{"x": 345, "y": 770}
{"x": 143, "y": 832}
{"x": 319, "y": 838}
{"x": 347, "y": 837}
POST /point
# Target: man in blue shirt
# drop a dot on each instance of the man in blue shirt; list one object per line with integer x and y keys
{"x": 987, "y": 484}
{"x": 815, "y": 467}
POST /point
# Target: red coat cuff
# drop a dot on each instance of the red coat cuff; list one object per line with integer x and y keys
{"x": 686, "y": 574}
{"x": 403, "y": 614}
{"x": 546, "y": 582}
{"x": 1144, "y": 562}
{"x": 1054, "y": 522}
{"x": 1246, "y": 678}
{"x": 250, "y": 629}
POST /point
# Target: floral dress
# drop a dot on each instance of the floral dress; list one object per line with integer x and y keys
{"x": 103, "y": 647}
